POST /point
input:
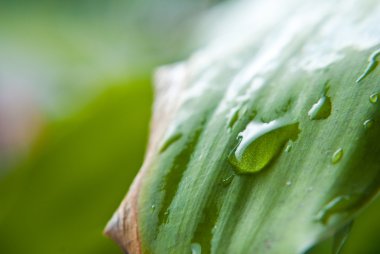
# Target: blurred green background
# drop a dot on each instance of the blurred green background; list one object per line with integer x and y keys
{"x": 75, "y": 102}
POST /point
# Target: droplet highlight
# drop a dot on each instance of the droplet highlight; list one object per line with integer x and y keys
{"x": 321, "y": 109}
{"x": 373, "y": 98}
{"x": 227, "y": 181}
{"x": 371, "y": 65}
{"x": 368, "y": 123}
{"x": 337, "y": 156}
{"x": 260, "y": 143}
{"x": 288, "y": 147}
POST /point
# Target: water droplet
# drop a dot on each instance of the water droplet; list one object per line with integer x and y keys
{"x": 196, "y": 248}
{"x": 260, "y": 143}
{"x": 226, "y": 181}
{"x": 288, "y": 148}
{"x": 371, "y": 65}
{"x": 373, "y": 98}
{"x": 341, "y": 237}
{"x": 288, "y": 183}
{"x": 368, "y": 123}
{"x": 169, "y": 141}
{"x": 321, "y": 109}
{"x": 337, "y": 205}
{"x": 337, "y": 156}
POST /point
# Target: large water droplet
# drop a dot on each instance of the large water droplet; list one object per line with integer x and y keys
{"x": 373, "y": 98}
{"x": 260, "y": 143}
{"x": 337, "y": 156}
{"x": 196, "y": 248}
{"x": 339, "y": 204}
{"x": 371, "y": 65}
{"x": 321, "y": 109}
{"x": 368, "y": 123}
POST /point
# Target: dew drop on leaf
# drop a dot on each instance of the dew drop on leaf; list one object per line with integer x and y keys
{"x": 227, "y": 181}
{"x": 337, "y": 156}
{"x": 288, "y": 147}
{"x": 371, "y": 65}
{"x": 373, "y": 98}
{"x": 368, "y": 123}
{"x": 260, "y": 143}
{"x": 321, "y": 109}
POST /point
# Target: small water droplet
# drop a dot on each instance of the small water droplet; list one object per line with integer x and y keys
{"x": 373, "y": 98}
{"x": 169, "y": 141}
{"x": 337, "y": 156}
{"x": 226, "y": 181}
{"x": 337, "y": 205}
{"x": 288, "y": 147}
{"x": 196, "y": 248}
{"x": 371, "y": 65}
{"x": 321, "y": 109}
{"x": 288, "y": 183}
{"x": 260, "y": 143}
{"x": 368, "y": 123}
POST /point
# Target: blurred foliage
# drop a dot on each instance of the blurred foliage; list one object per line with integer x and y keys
{"x": 59, "y": 200}
{"x": 67, "y": 51}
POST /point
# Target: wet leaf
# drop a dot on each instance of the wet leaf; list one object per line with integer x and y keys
{"x": 268, "y": 69}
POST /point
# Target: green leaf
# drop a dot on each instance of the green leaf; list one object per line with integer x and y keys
{"x": 297, "y": 189}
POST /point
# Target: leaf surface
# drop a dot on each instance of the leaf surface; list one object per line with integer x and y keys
{"x": 272, "y": 62}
